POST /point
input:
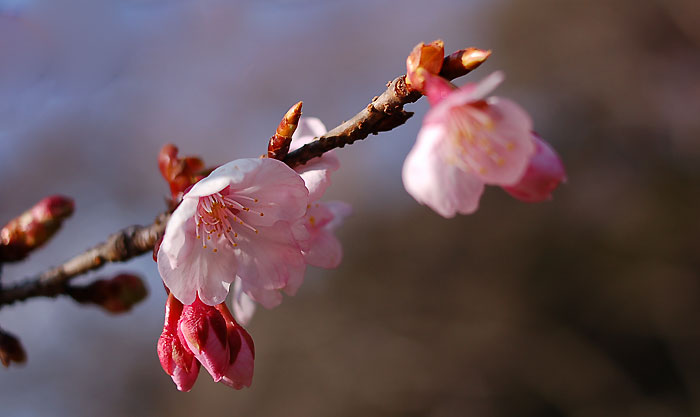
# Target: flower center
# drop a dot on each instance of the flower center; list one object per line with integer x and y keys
{"x": 219, "y": 215}
{"x": 471, "y": 131}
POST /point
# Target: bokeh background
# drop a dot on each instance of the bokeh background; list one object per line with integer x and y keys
{"x": 587, "y": 305}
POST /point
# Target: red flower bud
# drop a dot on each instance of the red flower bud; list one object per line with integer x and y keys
{"x": 175, "y": 358}
{"x": 278, "y": 146}
{"x": 180, "y": 173}
{"x": 203, "y": 330}
{"x": 34, "y": 227}
{"x": 426, "y": 58}
{"x": 116, "y": 295}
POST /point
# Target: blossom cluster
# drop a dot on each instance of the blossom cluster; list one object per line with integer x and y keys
{"x": 251, "y": 226}
{"x": 254, "y": 223}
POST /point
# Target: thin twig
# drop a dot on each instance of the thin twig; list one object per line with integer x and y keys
{"x": 384, "y": 113}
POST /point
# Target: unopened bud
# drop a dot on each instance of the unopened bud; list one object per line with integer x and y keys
{"x": 241, "y": 364}
{"x": 116, "y": 295}
{"x": 428, "y": 58}
{"x": 180, "y": 173}
{"x": 278, "y": 147}
{"x": 11, "y": 349}
{"x": 203, "y": 330}
{"x": 175, "y": 358}
{"x": 34, "y": 227}
{"x": 463, "y": 61}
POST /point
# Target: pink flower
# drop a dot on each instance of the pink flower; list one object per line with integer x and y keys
{"x": 237, "y": 222}
{"x": 466, "y": 141}
{"x": 543, "y": 175}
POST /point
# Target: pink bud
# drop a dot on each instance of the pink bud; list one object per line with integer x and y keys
{"x": 203, "y": 330}
{"x": 175, "y": 358}
{"x": 544, "y": 174}
{"x": 34, "y": 227}
{"x": 239, "y": 373}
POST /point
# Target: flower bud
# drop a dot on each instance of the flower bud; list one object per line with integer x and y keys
{"x": 239, "y": 373}
{"x": 544, "y": 174}
{"x": 278, "y": 146}
{"x": 203, "y": 330}
{"x": 463, "y": 61}
{"x": 34, "y": 227}
{"x": 11, "y": 349}
{"x": 180, "y": 173}
{"x": 116, "y": 295}
{"x": 424, "y": 57}
{"x": 175, "y": 358}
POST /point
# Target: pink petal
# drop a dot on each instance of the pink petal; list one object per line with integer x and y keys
{"x": 326, "y": 251}
{"x": 503, "y": 148}
{"x": 340, "y": 210}
{"x": 177, "y": 242}
{"x": 543, "y": 175}
{"x": 435, "y": 179}
{"x": 316, "y": 172}
{"x": 269, "y": 259}
{"x": 184, "y": 379}
{"x": 466, "y": 94}
{"x": 201, "y": 272}
{"x": 240, "y": 373}
{"x": 280, "y": 192}
{"x": 243, "y": 305}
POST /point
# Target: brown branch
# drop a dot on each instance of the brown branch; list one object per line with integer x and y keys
{"x": 384, "y": 113}
{"x": 119, "y": 247}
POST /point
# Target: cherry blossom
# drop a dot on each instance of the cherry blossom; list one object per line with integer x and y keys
{"x": 237, "y": 222}
{"x": 466, "y": 141}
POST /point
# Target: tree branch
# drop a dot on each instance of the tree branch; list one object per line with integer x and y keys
{"x": 384, "y": 113}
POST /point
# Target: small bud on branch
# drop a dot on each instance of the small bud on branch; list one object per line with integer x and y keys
{"x": 34, "y": 227}
{"x": 279, "y": 142}
{"x": 115, "y": 295}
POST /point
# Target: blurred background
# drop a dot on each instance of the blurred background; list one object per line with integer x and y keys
{"x": 587, "y": 305}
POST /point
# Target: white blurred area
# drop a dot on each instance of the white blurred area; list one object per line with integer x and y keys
{"x": 90, "y": 91}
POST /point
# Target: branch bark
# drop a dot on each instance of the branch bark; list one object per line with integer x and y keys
{"x": 384, "y": 113}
